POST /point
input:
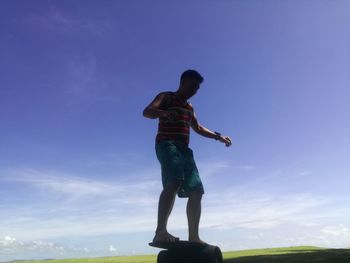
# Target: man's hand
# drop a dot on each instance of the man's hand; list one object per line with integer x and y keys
{"x": 226, "y": 140}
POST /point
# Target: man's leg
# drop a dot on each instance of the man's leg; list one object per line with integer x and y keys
{"x": 193, "y": 216}
{"x": 165, "y": 206}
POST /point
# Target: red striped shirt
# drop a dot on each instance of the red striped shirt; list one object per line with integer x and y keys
{"x": 179, "y": 128}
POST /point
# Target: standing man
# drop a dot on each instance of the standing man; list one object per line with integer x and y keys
{"x": 179, "y": 172}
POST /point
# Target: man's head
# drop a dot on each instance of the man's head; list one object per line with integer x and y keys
{"x": 189, "y": 82}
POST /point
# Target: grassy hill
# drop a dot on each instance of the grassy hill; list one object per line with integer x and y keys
{"x": 270, "y": 255}
{"x": 289, "y": 255}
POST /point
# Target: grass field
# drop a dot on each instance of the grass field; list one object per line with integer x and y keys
{"x": 270, "y": 255}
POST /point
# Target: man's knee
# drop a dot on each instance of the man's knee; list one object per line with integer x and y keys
{"x": 196, "y": 195}
{"x": 173, "y": 186}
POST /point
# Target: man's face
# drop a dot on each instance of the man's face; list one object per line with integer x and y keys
{"x": 190, "y": 87}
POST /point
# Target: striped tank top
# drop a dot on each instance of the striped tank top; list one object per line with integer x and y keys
{"x": 179, "y": 128}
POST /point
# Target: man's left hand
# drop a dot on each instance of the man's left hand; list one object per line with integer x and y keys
{"x": 226, "y": 140}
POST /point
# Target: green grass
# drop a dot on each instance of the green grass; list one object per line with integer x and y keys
{"x": 289, "y": 255}
{"x": 269, "y": 251}
{"x": 269, "y": 255}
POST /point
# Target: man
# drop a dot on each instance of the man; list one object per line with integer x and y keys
{"x": 179, "y": 172}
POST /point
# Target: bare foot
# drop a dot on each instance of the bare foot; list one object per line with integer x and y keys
{"x": 164, "y": 237}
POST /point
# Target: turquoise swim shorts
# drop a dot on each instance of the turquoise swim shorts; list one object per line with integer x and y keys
{"x": 177, "y": 163}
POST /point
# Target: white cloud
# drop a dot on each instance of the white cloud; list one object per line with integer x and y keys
{"x": 10, "y": 246}
{"x": 82, "y": 73}
{"x": 11, "y": 243}
{"x": 113, "y": 249}
{"x": 75, "y": 188}
{"x": 57, "y": 21}
{"x": 337, "y": 231}
{"x": 91, "y": 207}
{"x": 232, "y": 208}
{"x": 246, "y": 167}
{"x": 210, "y": 168}
{"x": 57, "y": 205}
{"x": 84, "y": 84}
{"x": 7, "y": 242}
{"x": 108, "y": 159}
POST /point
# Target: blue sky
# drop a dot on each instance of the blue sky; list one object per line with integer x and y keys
{"x": 78, "y": 172}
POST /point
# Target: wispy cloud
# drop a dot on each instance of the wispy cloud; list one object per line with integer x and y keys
{"x": 209, "y": 168}
{"x": 82, "y": 73}
{"x": 113, "y": 159}
{"x": 227, "y": 208}
{"x": 337, "y": 231}
{"x": 56, "y": 205}
{"x": 236, "y": 208}
{"x": 58, "y": 21}
{"x": 246, "y": 167}
{"x": 80, "y": 189}
{"x": 84, "y": 84}
{"x": 77, "y": 78}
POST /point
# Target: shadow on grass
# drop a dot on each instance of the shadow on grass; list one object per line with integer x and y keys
{"x": 319, "y": 256}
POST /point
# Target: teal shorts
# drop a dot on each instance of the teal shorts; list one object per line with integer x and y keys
{"x": 177, "y": 163}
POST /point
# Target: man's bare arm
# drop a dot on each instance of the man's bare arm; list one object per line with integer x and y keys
{"x": 201, "y": 130}
{"x": 153, "y": 110}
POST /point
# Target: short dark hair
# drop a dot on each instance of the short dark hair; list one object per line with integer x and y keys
{"x": 193, "y": 74}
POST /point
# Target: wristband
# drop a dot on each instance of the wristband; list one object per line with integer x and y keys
{"x": 217, "y": 135}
